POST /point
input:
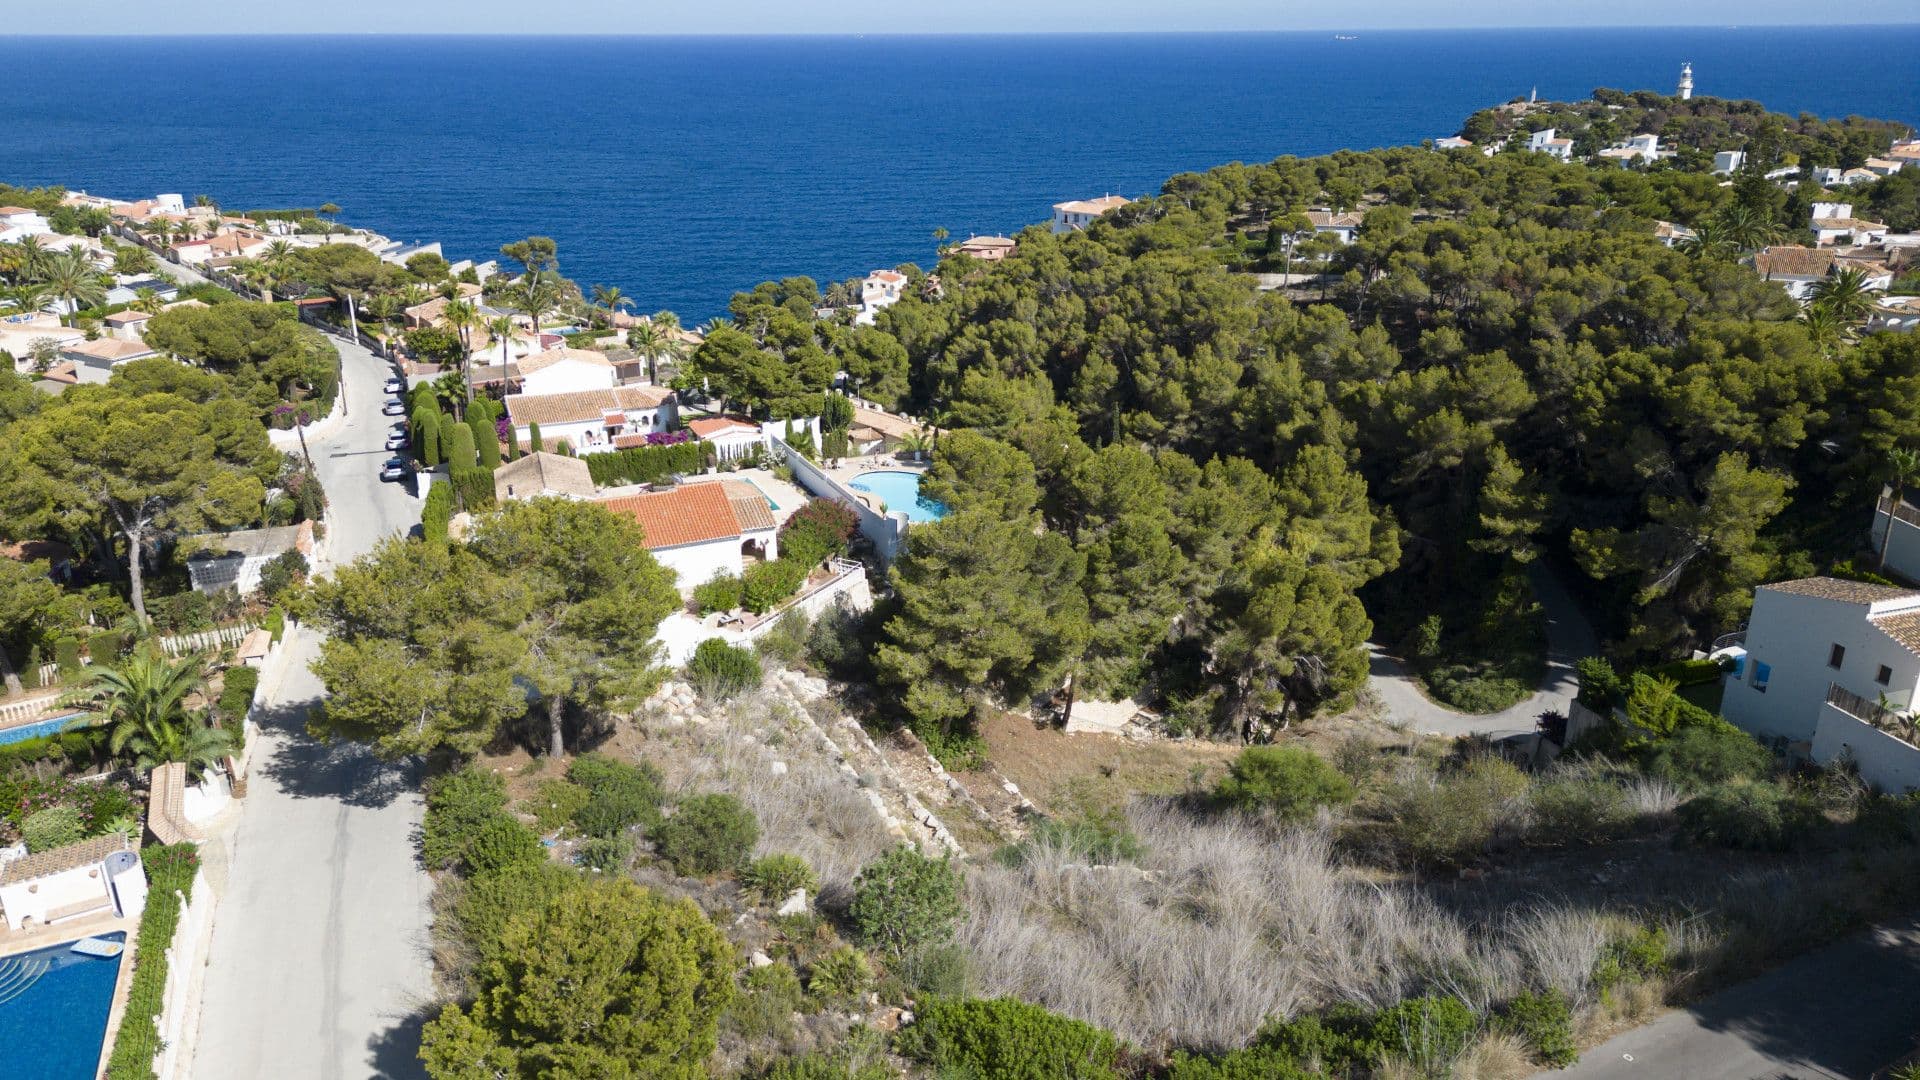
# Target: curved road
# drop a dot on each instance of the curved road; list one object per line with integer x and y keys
{"x": 1569, "y": 637}
{"x": 319, "y": 965}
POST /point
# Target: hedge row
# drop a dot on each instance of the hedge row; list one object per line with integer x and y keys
{"x": 646, "y": 464}
{"x": 170, "y": 873}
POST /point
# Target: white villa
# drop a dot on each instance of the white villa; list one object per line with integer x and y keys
{"x": 92, "y": 877}
{"x": 1834, "y": 223}
{"x": 729, "y": 437}
{"x": 703, "y": 530}
{"x": 1550, "y": 143}
{"x": 1670, "y": 234}
{"x": 234, "y": 560}
{"x": 1827, "y": 666}
{"x": 1452, "y": 142}
{"x": 1080, "y": 213}
{"x": 1645, "y": 148}
{"x": 593, "y": 421}
{"x": 1727, "y": 162}
{"x": 17, "y": 223}
{"x": 1900, "y": 314}
{"x": 1344, "y": 226}
{"x": 881, "y": 289}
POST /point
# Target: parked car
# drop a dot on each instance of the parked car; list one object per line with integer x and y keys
{"x": 395, "y": 469}
{"x": 396, "y": 407}
{"x": 397, "y": 441}
{"x": 396, "y": 386}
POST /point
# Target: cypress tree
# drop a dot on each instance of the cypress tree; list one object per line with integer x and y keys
{"x": 533, "y": 438}
{"x": 459, "y": 445}
{"x": 485, "y": 439}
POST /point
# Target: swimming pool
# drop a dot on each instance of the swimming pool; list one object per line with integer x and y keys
{"x": 38, "y": 728}
{"x": 53, "y": 1011}
{"x": 900, "y": 491}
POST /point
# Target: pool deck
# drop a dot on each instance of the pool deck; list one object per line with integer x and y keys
{"x": 846, "y": 470}
{"x": 40, "y": 937}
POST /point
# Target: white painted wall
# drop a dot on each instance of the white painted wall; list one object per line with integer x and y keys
{"x": 682, "y": 633}
{"x": 1885, "y": 761}
{"x": 566, "y": 377}
{"x": 1793, "y": 635}
{"x": 1903, "y": 554}
{"x": 697, "y": 564}
{"x": 34, "y": 899}
{"x": 887, "y": 531}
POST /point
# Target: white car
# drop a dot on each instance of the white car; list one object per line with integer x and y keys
{"x": 395, "y": 386}
{"x": 397, "y": 441}
{"x": 394, "y": 469}
{"x": 396, "y": 407}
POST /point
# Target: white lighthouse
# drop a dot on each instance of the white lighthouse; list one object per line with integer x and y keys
{"x": 1686, "y": 81}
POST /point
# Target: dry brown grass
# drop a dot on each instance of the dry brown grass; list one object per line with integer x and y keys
{"x": 1495, "y": 1056}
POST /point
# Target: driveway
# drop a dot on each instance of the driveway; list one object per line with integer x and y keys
{"x": 1838, "y": 1012}
{"x": 1569, "y": 637}
{"x": 320, "y": 960}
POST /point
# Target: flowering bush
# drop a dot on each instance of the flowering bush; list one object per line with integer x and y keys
{"x": 668, "y": 438}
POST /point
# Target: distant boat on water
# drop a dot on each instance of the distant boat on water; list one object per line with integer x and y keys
{"x": 1346, "y": 37}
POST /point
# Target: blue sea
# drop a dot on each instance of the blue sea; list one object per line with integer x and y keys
{"x": 683, "y": 169}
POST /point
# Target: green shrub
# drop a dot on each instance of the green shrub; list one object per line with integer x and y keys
{"x": 1335, "y": 1041}
{"x": 619, "y": 795}
{"x": 275, "y": 623}
{"x": 458, "y": 805}
{"x": 499, "y": 843}
{"x": 837, "y": 643}
{"x": 765, "y": 585}
{"x": 486, "y": 441}
{"x": 773, "y": 878}
{"x": 1601, "y": 688}
{"x": 1427, "y": 1032}
{"x": 1453, "y": 819}
{"x": 66, "y": 653}
{"x": 608, "y": 854}
{"x": 646, "y": 464}
{"x": 459, "y": 447}
{"x": 1005, "y": 1039}
{"x": 554, "y": 803}
{"x": 720, "y": 594}
{"x": 104, "y": 647}
{"x": 851, "y": 1061}
{"x": 1102, "y": 841}
{"x": 236, "y": 694}
{"x": 818, "y": 530}
{"x": 1580, "y": 810}
{"x": 54, "y": 827}
{"x": 940, "y": 970}
{"x": 170, "y": 873}
{"x": 1470, "y": 688}
{"x": 1702, "y": 756}
{"x": 1289, "y": 781}
{"x": 283, "y": 572}
{"x": 707, "y": 834}
{"x": 473, "y": 486}
{"x": 904, "y": 902}
{"x": 840, "y": 974}
{"x": 1640, "y": 955}
{"x": 484, "y": 904}
{"x": 30, "y": 677}
{"x": 1689, "y": 672}
{"x": 1545, "y": 1023}
{"x": 765, "y": 1006}
{"x": 786, "y": 641}
{"x": 719, "y": 670}
{"x": 1749, "y": 815}
{"x": 1248, "y": 1064}
{"x": 436, "y": 513}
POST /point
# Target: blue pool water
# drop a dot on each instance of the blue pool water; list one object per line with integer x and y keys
{"x": 900, "y": 491}
{"x": 53, "y": 1011}
{"x": 37, "y": 729}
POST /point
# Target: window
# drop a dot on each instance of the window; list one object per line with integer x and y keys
{"x": 1884, "y": 675}
{"x": 1837, "y": 656}
{"x": 1761, "y": 673}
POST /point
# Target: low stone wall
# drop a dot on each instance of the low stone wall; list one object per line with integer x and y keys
{"x": 681, "y": 634}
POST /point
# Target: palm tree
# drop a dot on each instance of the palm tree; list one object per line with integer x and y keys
{"x": 462, "y": 318}
{"x": 144, "y": 702}
{"x": 71, "y": 276}
{"x": 278, "y": 251}
{"x": 1845, "y": 294}
{"x": 1824, "y": 327}
{"x": 1902, "y": 467}
{"x": 536, "y": 294}
{"x": 28, "y": 296}
{"x": 1709, "y": 241}
{"x": 147, "y": 300}
{"x": 32, "y": 255}
{"x": 647, "y": 340}
{"x": 1747, "y": 229}
{"x": 718, "y": 322}
{"x": 501, "y": 327}
{"x": 384, "y": 307}
{"x": 612, "y": 299}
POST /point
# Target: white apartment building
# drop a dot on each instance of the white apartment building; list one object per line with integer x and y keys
{"x": 1550, "y": 143}
{"x": 881, "y": 289}
{"x": 1080, "y": 213}
{"x": 1727, "y": 162}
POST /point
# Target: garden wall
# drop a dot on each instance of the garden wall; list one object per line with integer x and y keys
{"x": 1886, "y": 761}
{"x": 887, "y": 531}
{"x": 179, "y": 1019}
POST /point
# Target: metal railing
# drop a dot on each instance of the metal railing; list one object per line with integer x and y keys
{"x": 1725, "y": 641}
{"x": 1902, "y": 511}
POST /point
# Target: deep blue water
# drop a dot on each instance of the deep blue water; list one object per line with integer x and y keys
{"x": 54, "y": 1027}
{"x": 900, "y": 491}
{"x": 682, "y": 169}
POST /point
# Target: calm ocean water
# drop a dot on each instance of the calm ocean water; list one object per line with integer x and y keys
{"x": 682, "y": 169}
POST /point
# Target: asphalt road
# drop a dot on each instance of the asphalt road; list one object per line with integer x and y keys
{"x": 1839, "y": 1012}
{"x": 320, "y": 965}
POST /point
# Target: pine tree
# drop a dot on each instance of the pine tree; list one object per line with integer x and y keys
{"x": 1513, "y": 509}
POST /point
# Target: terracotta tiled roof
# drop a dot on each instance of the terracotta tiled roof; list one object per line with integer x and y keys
{"x": 689, "y": 514}
{"x": 1844, "y": 223}
{"x": 719, "y": 425}
{"x": 72, "y": 857}
{"x": 886, "y": 275}
{"x": 122, "y": 318}
{"x": 582, "y": 404}
{"x": 749, "y": 504}
{"x": 1327, "y": 219}
{"x": 986, "y": 243}
{"x": 543, "y": 474}
{"x": 1903, "y": 628}
{"x": 1793, "y": 261}
{"x": 1847, "y": 592}
{"x": 109, "y": 349}
{"x": 1092, "y": 206}
{"x": 554, "y": 356}
{"x": 9, "y": 211}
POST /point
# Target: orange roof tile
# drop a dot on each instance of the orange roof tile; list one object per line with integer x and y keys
{"x": 689, "y": 514}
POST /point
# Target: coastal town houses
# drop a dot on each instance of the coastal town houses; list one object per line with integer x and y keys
{"x": 986, "y": 248}
{"x": 1798, "y": 268}
{"x": 1644, "y": 149}
{"x": 1343, "y": 225}
{"x": 1728, "y": 162}
{"x": 1827, "y": 671}
{"x": 104, "y": 354}
{"x": 1080, "y": 213}
{"x": 703, "y": 530}
{"x": 881, "y": 289}
{"x": 593, "y": 421}
{"x": 234, "y": 245}
{"x": 1670, "y": 234}
{"x": 1834, "y": 223}
{"x": 543, "y": 475}
{"x": 129, "y": 325}
{"x": 1452, "y": 142}
{"x": 17, "y": 223}
{"x": 1550, "y": 143}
